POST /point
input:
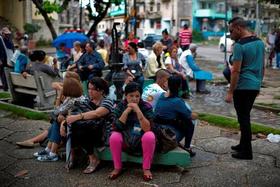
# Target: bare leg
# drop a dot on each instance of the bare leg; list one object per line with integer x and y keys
{"x": 39, "y": 137}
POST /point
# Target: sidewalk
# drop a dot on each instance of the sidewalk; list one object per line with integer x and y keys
{"x": 212, "y": 166}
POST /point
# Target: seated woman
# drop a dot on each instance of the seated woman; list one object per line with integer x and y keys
{"x": 86, "y": 135}
{"x": 133, "y": 63}
{"x": 133, "y": 123}
{"x": 155, "y": 61}
{"x": 72, "y": 91}
{"x": 172, "y": 112}
{"x": 172, "y": 64}
{"x": 187, "y": 60}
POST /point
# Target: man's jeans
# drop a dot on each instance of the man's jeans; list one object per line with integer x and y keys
{"x": 243, "y": 103}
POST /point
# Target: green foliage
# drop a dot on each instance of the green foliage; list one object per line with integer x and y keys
{"x": 100, "y": 7}
{"x": 51, "y": 7}
{"x": 197, "y": 36}
{"x": 24, "y": 112}
{"x": 228, "y": 122}
{"x": 5, "y": 95}
{"x": 31, "y": 28}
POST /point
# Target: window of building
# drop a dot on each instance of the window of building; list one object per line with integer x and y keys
{"x": 151, "y": 8}
{"x": 158, "y": 6}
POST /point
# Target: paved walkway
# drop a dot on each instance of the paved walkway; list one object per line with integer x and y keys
{"x": 212, "y": 166}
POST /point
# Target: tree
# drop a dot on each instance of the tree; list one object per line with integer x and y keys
{"x": 45, "y": 7}
{"x": 101, "y": 8}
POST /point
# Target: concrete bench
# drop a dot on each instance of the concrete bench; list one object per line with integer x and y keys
{"x": 37, "y": 85}
{"x": 176, "y": 157}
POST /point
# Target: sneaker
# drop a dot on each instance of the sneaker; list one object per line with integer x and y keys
{"x": 41, "y": 153}
{"x": 191, "y": 152}
{"x": 48, "y": 158}
{"x": 203, "y": 92}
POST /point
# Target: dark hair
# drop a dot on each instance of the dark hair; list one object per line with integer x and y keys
{"x": 132, "y": 87}
{"x": 140, "y": 44}
{"x": 91, "y": 44}
{"x": 62, "y": 44}
{"x": 73, "y": 75}
{"x": 162, "y": 73}
{"x": 174, "y": 84}
{"x": 186, "y": 26}
{"x": 239, "y": 22}
{"x": 37, "y": 55}
{"x": 101, "y": 43}
{"x": 133, "y": 45}
{"x": 72, "y": 88}
{"x": 165, "y": 31}
{"x": 100, "y": 84}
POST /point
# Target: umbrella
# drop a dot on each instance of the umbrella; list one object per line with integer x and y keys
{"x": 69, "y": 38}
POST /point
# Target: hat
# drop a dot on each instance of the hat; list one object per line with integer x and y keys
{"x": 5, "y": 30}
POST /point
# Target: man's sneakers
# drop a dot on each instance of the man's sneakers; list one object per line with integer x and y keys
{"x": 43, "y": 152}
{"x": 240, "y": 154}
{"x": 48, "y": 158}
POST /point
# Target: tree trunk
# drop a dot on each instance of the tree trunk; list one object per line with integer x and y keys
{"x": 98, "y": 19}
{"x": 46, "y": 18}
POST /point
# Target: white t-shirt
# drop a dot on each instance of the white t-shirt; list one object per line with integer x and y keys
{"x": 152, "y": 93}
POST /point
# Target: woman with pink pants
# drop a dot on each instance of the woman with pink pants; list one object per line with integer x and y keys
{"x": 133, "y": 122}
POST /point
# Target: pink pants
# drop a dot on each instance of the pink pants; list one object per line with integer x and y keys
{"x": 148, "y": 146}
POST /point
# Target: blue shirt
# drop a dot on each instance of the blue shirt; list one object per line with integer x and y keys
{"x": 21, "y": 63}
{"x": 171, "y": 108}
{"x": 250, "y": 52}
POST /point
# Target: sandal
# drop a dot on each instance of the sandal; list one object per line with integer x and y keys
{"x": 147, "y": 177}
{"x": 113, "y": 176}
{"x": 91, "y": 167}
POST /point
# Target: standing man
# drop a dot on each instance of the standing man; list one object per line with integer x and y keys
{"x": 6, "y": 53}
{"x": 185, "y": 37}
{"x": 246, "y": 79}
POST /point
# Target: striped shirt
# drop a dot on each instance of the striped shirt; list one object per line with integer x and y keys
{"x": 185, "y": 37}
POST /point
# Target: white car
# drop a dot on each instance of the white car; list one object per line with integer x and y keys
{"x": 222, "y": 43}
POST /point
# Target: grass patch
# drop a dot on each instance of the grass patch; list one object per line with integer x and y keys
{"x": 5, "y": 95}
{"x": 228, "y": 122}
{"x": 24, "y": 113}
{"x": 276, "y": 97}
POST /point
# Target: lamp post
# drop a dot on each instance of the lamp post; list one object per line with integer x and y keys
{"x": 226, "y": 29}
{"x": 118, "y": 76}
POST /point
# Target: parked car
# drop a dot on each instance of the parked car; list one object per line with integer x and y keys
{"x": 151, "y": 39}
{"x": 222, "y": 43}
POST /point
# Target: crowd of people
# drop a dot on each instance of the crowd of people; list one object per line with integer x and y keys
{"x": 86, "y": 113}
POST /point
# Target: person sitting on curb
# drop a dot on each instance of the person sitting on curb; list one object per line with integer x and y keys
{"x": 132, "y": 131}
{"x": 187, "y": 60}
{"x": 152, "y": 92}
{"x": 174, "y": 113}
{"x": 72, "y": 91}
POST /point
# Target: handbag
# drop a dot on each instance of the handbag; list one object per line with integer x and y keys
{"x": 166, "y": 139}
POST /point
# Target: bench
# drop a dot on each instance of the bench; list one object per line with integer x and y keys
{"x": 39, "y": 84}
{"x": 176, "y": 157}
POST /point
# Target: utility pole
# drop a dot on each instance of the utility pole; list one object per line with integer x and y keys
{"x": 81, "y": 16}
{"x": 135, "y": 17}
{"x": 226, "y": 28}
{"x": 126, "y": 19}
{"x": 257, "y": 29}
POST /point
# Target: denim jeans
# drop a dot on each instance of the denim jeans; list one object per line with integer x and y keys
{"x": 243, "y": 103}
{"x": 278, "y": 59}
{"x": 54, "y": 133}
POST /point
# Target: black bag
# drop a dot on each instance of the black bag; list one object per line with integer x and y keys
{"x": 166, "y": 139}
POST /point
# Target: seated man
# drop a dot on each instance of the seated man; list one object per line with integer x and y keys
{"x": 22, "y": 60}
{"x": 152, "y": 92}
{"x": 193, "y": 71}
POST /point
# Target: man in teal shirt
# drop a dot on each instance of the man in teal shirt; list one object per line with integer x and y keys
{"x": 246, "y": 78}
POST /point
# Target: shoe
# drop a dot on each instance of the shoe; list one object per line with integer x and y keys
{"x": 147, "y": 177}
{"x": 48, "y": 158}
{"x": 203, "y": 92}
{"x": 91, "y": 167}
{"x": 113, "y": 176}
{"x": 26, "y": 144}
{"x": 242, "y": 156}
{"x": 41, "y": 153}
{"x": 236, "y": 147}
{"x": 191, "y": 152}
